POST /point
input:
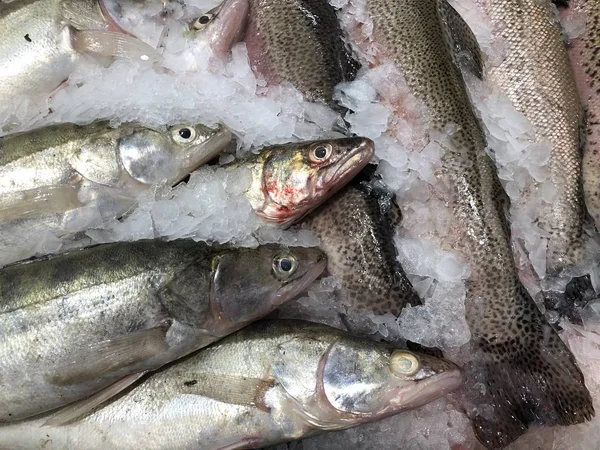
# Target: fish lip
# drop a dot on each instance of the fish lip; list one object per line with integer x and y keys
{"x": 426, "y": 391}
{"x": 295, "y": 287}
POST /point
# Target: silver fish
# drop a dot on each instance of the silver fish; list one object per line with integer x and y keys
{"x": 92, "y": 321}
{"x": 273, "y": 381}
{"x": 43, "y": 41}
{"x": 63, "y": 167}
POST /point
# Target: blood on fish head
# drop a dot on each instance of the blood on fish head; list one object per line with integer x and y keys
{"x": 298, "y": 177}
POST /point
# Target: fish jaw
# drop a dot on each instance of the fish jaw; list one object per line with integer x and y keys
{"x": 210, "y": 143}
{"x": 299, "y": 285}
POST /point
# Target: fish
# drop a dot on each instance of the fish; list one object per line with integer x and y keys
{"x": 537, "y": 78}
{"x": 271, "y": 382}
{"x": 294, "y": 41}
{"x": 518, "y": 370}
{"x": 43, "y": 41}
{"x": 63, "y": 167}
{"x": 355, "y": 228}
{"x": 290, "y": 180}
{"x": 83, "y": 325}
{"x": 585, "y": 60}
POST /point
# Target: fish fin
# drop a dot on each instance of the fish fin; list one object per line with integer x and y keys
{"x": 464, "y": 44}
{"x": 87, "y": 405}
{"x": 105, "y": 358}
{"x": 530, "y": 379}
{"x": 578, "y": 293}
{"x": 231, "y": 389}
{"x": 112, "y": 43}
{"x": 35, "y": 203}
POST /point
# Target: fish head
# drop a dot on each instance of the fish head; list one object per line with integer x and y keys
{"x": 356, "y": 381}
{"x": 296, "y": 178}
{"x": 249, "y": 283}
{"x": 151, "y": 156}
{"x": 222, "y": 26}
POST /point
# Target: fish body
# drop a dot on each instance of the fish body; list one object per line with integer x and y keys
{"x": 271, "y": 382}
{"x": 43, "y": 41}
{"x": 585, "y": 60}
{"x": 290, "y": 180}
{"x": 62, "y": 167}
{"x": 74, "y": 324}
{"x": 536, "y": 76}
{"x": 294, "y": 41}
{"x": 527, "y": 372}
{"x": 356, "y": 230}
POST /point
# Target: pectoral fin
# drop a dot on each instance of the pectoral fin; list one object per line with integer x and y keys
{"x": 113, "y": 43}
{"x": 83, "y": 407}
{"x": 36, "y": 203}
{"x": 106, "y": 358}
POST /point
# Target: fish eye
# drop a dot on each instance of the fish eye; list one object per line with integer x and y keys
{"x": 320, "y": 153}
{"x": 202, "y": 21}
{"x": 404, "y": 363}
{"x": 285, "y": 265}
{"x": 183, "y": 135}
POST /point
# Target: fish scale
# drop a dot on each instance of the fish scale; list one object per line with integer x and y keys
{"x": 528, "y": 372}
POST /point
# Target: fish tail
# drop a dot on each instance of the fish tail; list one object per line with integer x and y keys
{"x": 528, "y": 376}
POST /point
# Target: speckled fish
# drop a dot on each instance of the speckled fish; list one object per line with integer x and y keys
{"x": 63, "y": 167}
{"x": 290, "y": 180}
{"x": 297, "y": 41}
{"x": 536, "y": 77}
{"x": 525, "y": 371}
{"x": 273, "y": 381}
{"x": 93, "y": 321}
{"x": 584, "y": 52}
{"x": 356, "y": 231}
{"x": 43, "y": 41}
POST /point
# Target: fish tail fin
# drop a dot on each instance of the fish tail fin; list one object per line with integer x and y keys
{"x": 530, "y": 377}
{"x": 578, "y": 293}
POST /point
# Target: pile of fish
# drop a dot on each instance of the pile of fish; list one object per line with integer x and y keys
{"x": 296, "y": 217}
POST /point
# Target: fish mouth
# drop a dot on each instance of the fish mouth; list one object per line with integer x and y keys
{"x": 339, "y": 174}
{"x": 295, "y": 287}
{"x": 426, "y": 391}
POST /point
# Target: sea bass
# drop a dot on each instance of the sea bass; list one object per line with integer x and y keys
{"x": 271, "y": 382}
{"x": 356, "y": 231}
{"x": 527, "y": 373}
{"x": 63, "y": 167}
{"x": 290, "y": 180}
{"x": 585, "y": 60}
{"x": 43, "y": 41}
{"x": 74, "y": 324}
{"x": 294, "y": 41}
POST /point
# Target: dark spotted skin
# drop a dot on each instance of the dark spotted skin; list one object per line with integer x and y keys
{"x": 299, "y": 41}
{"x": 358, "y": 240}
{"x": 529, "y": 373}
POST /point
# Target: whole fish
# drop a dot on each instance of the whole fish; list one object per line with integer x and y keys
{"x": 43, "y": 41}
{"x": 356, "y": 231}
{"x": 273, "y": 381}
{"x": 290, "y": 180}
{"x": 94, "y": 320}
{"x": 62, "y": 167}
{"x": 525, "y": 371}
{"x": 296, "y": 41}
{"x": 585, "y": 60}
